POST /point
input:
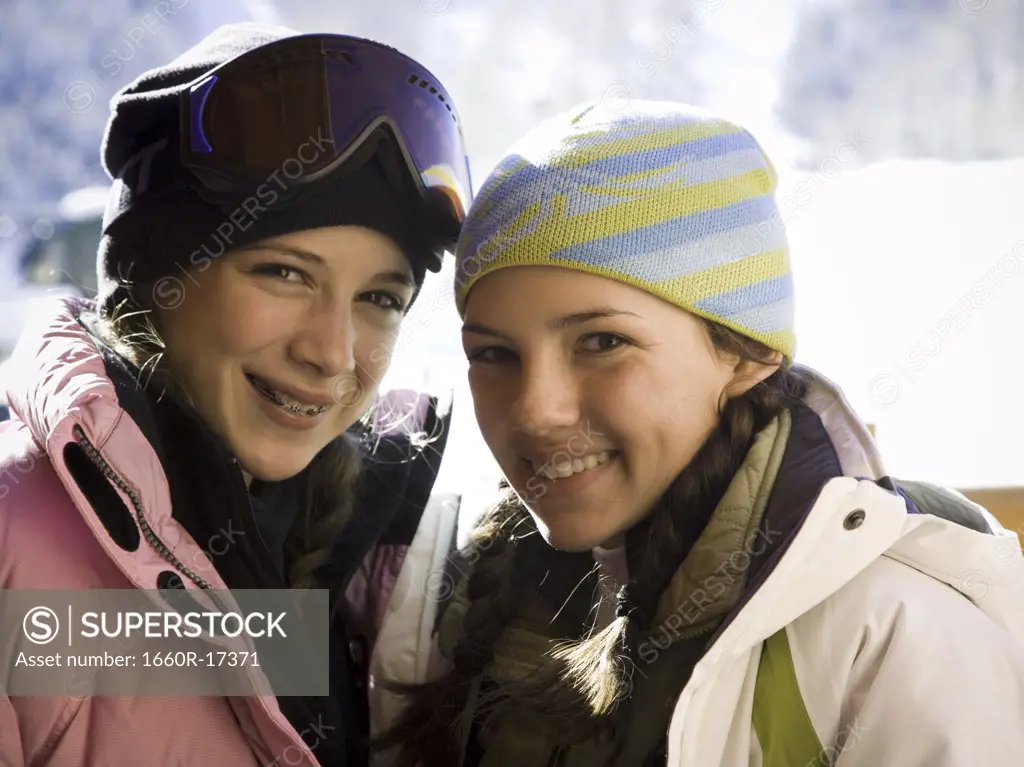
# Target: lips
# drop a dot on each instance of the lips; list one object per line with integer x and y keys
{"x": 289, "y": 399}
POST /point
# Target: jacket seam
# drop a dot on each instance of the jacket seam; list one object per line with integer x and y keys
{"x": 67, "y": 713}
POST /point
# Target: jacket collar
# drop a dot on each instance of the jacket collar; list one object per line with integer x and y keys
{"x": 708, "y": 583}
{"x": 71, "y": 396}
{"x": 826, "y": 441}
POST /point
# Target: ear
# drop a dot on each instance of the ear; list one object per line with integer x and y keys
{"x": 749, "y": 373}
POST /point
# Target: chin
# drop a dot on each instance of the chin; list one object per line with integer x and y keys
{"x": 562, "y": 538}
{"x": 284, "y": 467}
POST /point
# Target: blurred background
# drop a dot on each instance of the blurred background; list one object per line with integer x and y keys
{"x": 895, "y": 126}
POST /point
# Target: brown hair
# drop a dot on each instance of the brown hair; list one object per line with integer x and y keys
{"x": 130, "y": 329}
{"x": 580, "y": 685}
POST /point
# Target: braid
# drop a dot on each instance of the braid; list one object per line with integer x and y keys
{"x": 501, "y": 560}
{"x": 326, "y": 509}
{"x": 493, "y": 601}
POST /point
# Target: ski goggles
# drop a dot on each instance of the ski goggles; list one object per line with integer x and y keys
{"x": 295, "y": 110}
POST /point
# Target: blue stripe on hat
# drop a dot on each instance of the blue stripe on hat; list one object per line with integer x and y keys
{"x": 749, "y": 297}
{"x": 690, "y": 172}
{"x": 722, "y": 168}
{"x": 769, "y": 318}
{"x": 645, "y": 159}
{"x": 713, "y": 250}
{"x": 638, "y": 243}
{"x": 683, "y": 174}
{"x": 522, "y": 181}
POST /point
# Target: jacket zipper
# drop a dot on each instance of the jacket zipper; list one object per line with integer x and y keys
{"x": 147, "y": 531}
{"x": 151, "y": 537}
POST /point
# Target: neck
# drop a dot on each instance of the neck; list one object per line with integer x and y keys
{"x": 614, "y": 542}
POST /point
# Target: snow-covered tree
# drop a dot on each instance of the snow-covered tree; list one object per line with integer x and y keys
{"x": 511, "y": 63}
{"x": 60, "y": 63}
{"x": 939, "y": 79}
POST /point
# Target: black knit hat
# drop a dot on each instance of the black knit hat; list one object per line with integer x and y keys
{"x": 161, "y": 234}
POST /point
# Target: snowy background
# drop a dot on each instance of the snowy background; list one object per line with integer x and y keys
{"x": 896, "y": 126}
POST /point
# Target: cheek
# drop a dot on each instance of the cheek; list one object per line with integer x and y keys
{"x": 223, "y": 317}
{"x": 493, "y": 398}
{"x": 258, "y": 321}
{"x": 690, "y": 414}
{"x": 373, "y": 353}
{"x": 627, "y": 399}
{"x": 659, "y": 417}
{"x": 685, "y": 429}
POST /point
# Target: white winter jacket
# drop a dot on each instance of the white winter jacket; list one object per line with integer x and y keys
{"x": 881, "y": 637}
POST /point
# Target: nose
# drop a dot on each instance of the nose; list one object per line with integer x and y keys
{"x": 548, "y": 400}
{"x": 325, "y": 343}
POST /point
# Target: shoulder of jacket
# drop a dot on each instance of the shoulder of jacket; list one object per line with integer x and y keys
{"x": 947, "y": 503}
{"x": 885, "y": 598}
{"x": 25, "y": 468}
{"x": 36, "y": 512}
{"x": 855, "y": 662}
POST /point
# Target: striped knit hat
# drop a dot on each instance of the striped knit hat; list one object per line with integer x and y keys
{"x": 661, "y": 196}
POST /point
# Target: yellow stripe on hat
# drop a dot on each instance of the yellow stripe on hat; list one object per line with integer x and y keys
{"x": 630, "y": 215}
{"x": 575, "y": 151}
{"x": 724, "y": 278}
{"x": 629, "y": 178}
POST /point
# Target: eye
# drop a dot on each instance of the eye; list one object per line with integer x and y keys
{"x": 494, "y": 355}
{"x": 283, "y": 272}
{"x": 602, "y": 342}
{"x": 384, "y": 300}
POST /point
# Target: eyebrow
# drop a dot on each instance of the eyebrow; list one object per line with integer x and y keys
{"x": 396, "y": 277}
{"x": 559, "y": 323}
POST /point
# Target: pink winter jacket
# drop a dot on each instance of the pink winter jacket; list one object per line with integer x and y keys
{"x": 50, "y": 538}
